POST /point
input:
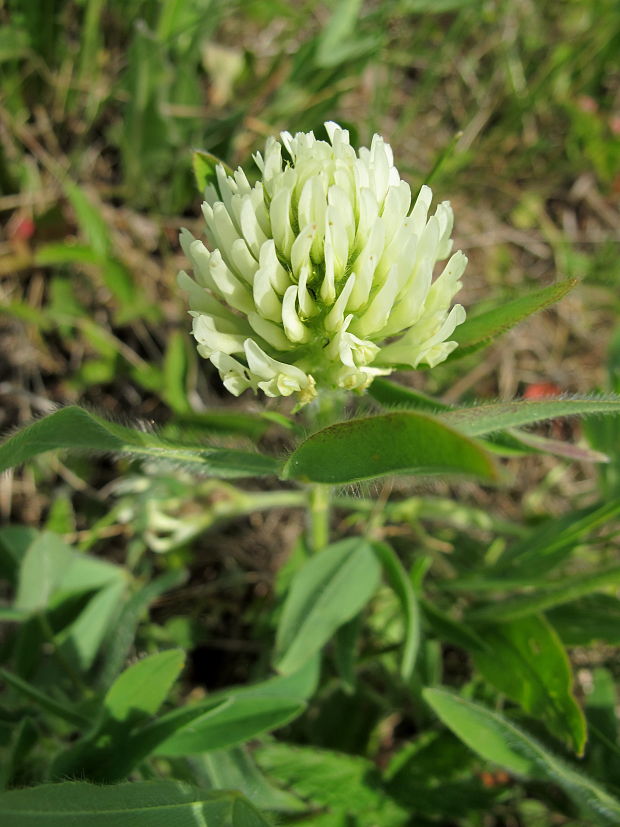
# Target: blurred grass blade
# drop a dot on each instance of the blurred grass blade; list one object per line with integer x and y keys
{"x": 554, "y": 540}
{"x": 143, "y": 803}
{"x": 497, "y": 416}
{"x": 340, "y": 40}
{"x": 478, "y": 331}
{"x": 399, "y": 580}
{"x": 82, "y": 640}
{"x": 75, "y": 429}
{"x": 395, "y": 395}
{"x": 235, "y": 722}
{"x": 450, "y": 630}
{"x": 394, "y": 443}
{"x": 43, "y": 699}
{"x": 89, "y": 219}
{"x": 496, "y": 739}
{"x": 557, "y": 448}
{"x": 123, "y": 632}
{"x": 569, "y": 589}
{"x": 526, "y": 661}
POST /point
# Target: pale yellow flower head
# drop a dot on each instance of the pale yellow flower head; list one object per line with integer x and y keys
{"x": 321, "y": 274}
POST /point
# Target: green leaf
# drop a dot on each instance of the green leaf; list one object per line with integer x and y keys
{"x": 299, "y": 686}
{"x": 329, "y": 590}
{"x": 204, "y": 164}
{"x": 400, "y": 582}
{"x": 234, "y": 722}
{"x": 569, "y": 588}
{"x": 143, "y": 803}
{"x": 526, "y": 661}
{"x": 478, "y": 331}
{"x": 14, "y": 43}
{"x": 496, "y": 416}
{"x": 123, "y": 632}
{"x": 113, "y": 749}
{"x": 235, "y": 769}
{"x": 141, "y": 689}
{"x": 496, "y": 739}
{"x": 75, "y": 429}
{"x": 82, "y": 639}
{"x": 348, "y": 785}
{"x": 51, "y": 569}
{"x": 394, "y": 443}
{"x": 346, "y": 651}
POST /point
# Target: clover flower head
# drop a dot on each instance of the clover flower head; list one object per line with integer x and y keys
{"x": 321, "y": 274}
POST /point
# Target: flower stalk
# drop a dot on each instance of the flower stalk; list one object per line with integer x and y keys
{"x": 319, "y": 510}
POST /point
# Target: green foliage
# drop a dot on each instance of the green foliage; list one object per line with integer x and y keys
{"x": 75, "y": 429}
{"x": 152, "y": 803}
{"x": 406, "y": 443}
{"x": 329, "y": 590}
{"x": 480, "y": 330}
{"x": 525, "y": 660}
{"x": 498, "y": 740}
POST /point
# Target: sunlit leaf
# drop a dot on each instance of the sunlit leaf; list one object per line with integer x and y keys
{"x": 526, "y": 661}
{"x": 146, "y": 803}
{"x": 496, "y": 739}
{"x": 75, "y": 429}
{"x": 329, "y": 590}
{"x": 497, "y": 416}
{"x": 395, "y": 443}
{"x": 478, "y": 331}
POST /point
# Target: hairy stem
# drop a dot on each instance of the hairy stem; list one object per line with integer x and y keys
{"x": 318, "y": 514}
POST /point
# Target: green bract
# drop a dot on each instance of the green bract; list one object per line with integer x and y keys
{"x": 321, "y": 273}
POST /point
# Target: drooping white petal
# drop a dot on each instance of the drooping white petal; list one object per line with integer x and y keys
{"x": 375, "y": 318}
{"x": 264, "y": 367}
{"x": 233, "y": 374}
{"x": 272, "y": 333}
{"x": 267, "y": 301}
{"x": 365, "y": 266}
{"x": 280, "y": 217}
{"x": 210, "y": 339}
{"x": 268, "y": 260}
{"x": 230, "y": 288}
{"x": 307, "y": 305}
{"x": 295, "y": 330}
{"x": 300, "y": 251}
{"x": 335, "y": 317}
